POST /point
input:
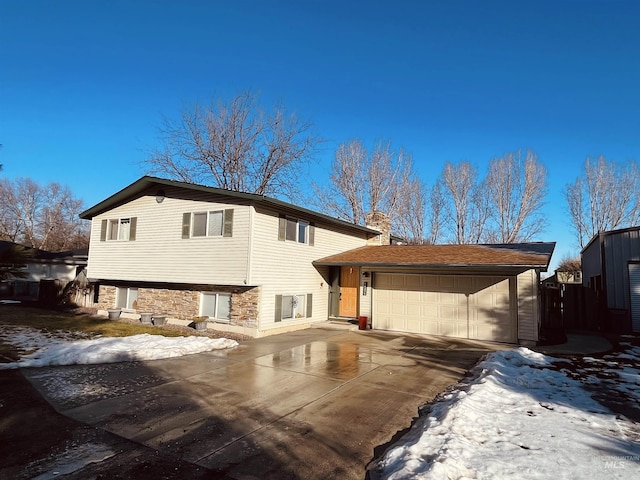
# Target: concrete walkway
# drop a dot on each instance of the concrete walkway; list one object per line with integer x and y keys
{"x": 578, "y": 344}
{"x": 308, "y": 404}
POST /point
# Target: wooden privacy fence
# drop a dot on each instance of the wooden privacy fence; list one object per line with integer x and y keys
{"x": 78, "y": 291}
{"x": 571, "y": 307}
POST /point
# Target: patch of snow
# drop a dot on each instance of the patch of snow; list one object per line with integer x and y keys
{"x": 518, "y": 417}
{"x": 60, "y": 349}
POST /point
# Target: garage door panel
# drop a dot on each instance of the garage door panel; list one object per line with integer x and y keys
{"x": 413, "y": 296}
{"x": 453, "y": 329}
{"x": 413, "y": 324}
{"x": 413, "y": 282}
{"x": 446, "y": 282}
{"x": 430, "y": 328}
{"x": 430, "y": 283}
{"x": 398, "y": 309}
{"x": 451, "y": 305}
{"x": 398, "y": 295}
{"x": 430, "y": 297}
{"x": 449, "y": 298}
{"x": 464, "y": 284}
{"x": 491, "y": 314}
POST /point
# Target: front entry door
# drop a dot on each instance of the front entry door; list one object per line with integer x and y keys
{"x": 349, "y": 284}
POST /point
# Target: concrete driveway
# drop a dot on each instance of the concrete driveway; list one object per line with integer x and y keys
{"x": 317, "y": 403}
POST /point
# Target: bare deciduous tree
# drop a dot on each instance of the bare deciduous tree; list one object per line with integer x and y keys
{"x": 11, "y": 260}
{"x": 437, "y": 204}
{"x": 41, "y": 217}
{"x": 605, "y": 197}
{"x": 345, "y": 197}
{"x": 236, "y": 145}
{"x": 381, "y": 180}
{"x": 516, "y": 189}
{"x": 411, "y": 218}
{"x": 465, "y": 204}
{"x": 504, "y": 207}
{"x": 570, "y": 264}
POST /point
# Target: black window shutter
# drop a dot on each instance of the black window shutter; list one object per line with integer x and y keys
{"x": 309, "y": 305}
{"x": 103, "y": 230}
{"x": 186, "y": 224}
{"x": 278, "y": 316}
{"x": 282, "y": 227}
{"x": 312, "y": 234}
{"x": 132, "y": 228}
{"x": 227, "y": 230}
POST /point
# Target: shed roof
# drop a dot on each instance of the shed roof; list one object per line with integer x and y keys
{"x": 78, "y": 256}
{"x": 527, "y": 255}
{"x": 606, "y": 233}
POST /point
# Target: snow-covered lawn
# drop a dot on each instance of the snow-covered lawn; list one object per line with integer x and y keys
{"x": 65, "y": 348}
{"x": 525, "y": 415}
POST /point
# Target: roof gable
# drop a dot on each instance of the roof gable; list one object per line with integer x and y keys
{"x": 148, "y": 184}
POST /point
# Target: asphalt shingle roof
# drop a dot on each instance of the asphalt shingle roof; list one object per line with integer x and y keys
{"x": 532, "y": 255}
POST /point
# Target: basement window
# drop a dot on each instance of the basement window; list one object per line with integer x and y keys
{"x": 216, "y": 305}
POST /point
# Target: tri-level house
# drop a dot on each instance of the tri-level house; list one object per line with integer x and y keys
{"x": 259, "y": 266}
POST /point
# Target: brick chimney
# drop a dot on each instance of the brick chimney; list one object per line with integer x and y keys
{"x": 379, "y": 221}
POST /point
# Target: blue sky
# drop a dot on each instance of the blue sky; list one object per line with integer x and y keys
{"x": 84, "y": 85}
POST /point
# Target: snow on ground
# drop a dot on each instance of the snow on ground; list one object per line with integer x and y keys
{"x": 64, "y": 348}
{"x": 525, "y": 415}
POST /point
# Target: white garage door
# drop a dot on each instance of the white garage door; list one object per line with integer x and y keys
{"x": 453, "y": 305}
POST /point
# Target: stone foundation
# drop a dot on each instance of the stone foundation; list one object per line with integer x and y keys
{"x": 185, "y": 304}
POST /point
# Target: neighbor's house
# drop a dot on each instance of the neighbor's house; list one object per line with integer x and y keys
{"x": 611, "y": 269}
{"x": 260, "y": 266}
{"x": 43, "y": 272}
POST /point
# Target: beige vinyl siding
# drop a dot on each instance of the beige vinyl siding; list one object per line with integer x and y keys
{"x": 528, "y": 308}
{"x": 160, "y": 254}
{"x": 285, "y": 267}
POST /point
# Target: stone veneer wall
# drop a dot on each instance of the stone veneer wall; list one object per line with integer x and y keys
{"x": 106, "y": 297}
{"x": 185, "y": 304}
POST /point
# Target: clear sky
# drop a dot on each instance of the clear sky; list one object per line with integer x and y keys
{"x": 84, "y": 85}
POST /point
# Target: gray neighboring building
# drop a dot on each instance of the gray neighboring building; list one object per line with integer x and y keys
{"x": 611, "y": 269}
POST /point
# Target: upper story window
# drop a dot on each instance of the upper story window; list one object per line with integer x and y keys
{"x": 118, "y": 229}
{"x": 295, "y": 230}
{"x": 215, "y": 223}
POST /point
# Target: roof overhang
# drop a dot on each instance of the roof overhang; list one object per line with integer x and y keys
{"x": 442, "y": 258}
{"x": 151, "y": 185}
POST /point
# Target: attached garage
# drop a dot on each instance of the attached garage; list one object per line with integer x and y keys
{"x": 479, "y": 292}
{"x": 474, "y": 307}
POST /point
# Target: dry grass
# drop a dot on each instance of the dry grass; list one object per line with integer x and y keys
{"x": 75, "y": 321}
{"x": 84, "y": 324}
